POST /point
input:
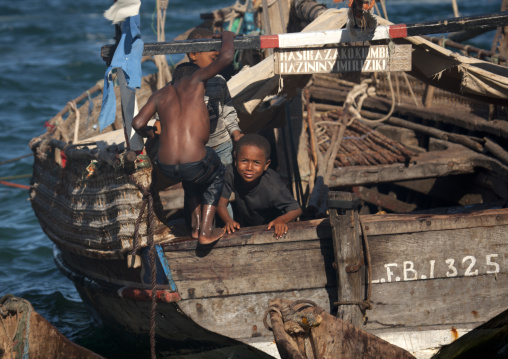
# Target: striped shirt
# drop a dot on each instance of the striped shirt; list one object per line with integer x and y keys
{"x": 223, "y": 117}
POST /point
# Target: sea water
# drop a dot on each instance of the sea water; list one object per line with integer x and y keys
{"x": 50, "y": 54}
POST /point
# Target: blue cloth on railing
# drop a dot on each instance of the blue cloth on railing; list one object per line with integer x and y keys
{"x": 127, "y": 56}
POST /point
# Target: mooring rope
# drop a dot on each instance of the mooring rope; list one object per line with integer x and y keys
{"x": 148, "y": 205}
{"x": 10, "y": 304}
{"x": 286, "y": 313}
{"x": 16, "y": 159}
{"x": 26, "y": 347}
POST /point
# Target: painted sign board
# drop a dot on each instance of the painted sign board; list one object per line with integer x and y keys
{"x": 375, "y": 58}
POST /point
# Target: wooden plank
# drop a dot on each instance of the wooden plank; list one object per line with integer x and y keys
{"x": 432, "y": 304}
{"x": 298, "y": 231}
{"x": 323, "y": 37}
{"x": 175, "y": 331}
{"x": 430, "y": 164}
{"x": 411, "y": 223}
{"x": 469, "y": 252}
{"x": 376, "y": 58}
{"x": 240, "y": 270}
{"x": 347, "y": 248}
{"x": 241, "y": 317}
{"x": 372, "y": 195}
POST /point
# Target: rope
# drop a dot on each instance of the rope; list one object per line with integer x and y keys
{"x": 292, "y": 308}
{"x": 8, "y": 178}
{"x": 10, "y": 304}
{"x": 16, "y": 159}
{"x": 265, "y": 316}
{"x": 364, "y": 305}
{"x": 356, "y": 111}
{"x": 148, "y": 205}
{"x": 411, "y": 89}
{"x": 10, "y": 184}
{"x": 27, "y": 334}
{"x": 310, "y": 348}
{"x": 305, "y": 302}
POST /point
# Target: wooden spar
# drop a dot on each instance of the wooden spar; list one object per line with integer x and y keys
{"x": 299, "y": 39}
{"x": 347, "y": 249}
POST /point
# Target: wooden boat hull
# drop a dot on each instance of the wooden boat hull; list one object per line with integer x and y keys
{"x": 32, "y": 335}
{"x": 124, "y": 307}
{"x": 434, "y": 277}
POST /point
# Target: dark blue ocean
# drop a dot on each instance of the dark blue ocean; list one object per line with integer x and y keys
{"x": 50, "y": 54}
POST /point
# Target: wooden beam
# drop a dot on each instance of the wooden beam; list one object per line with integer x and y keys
{"x": 383, "y": 200}
{"x": 299, "y": 39}
{"x": 429, "y": 164}
{"x": 343, "y": 208}
{"x": 390, "y": 224}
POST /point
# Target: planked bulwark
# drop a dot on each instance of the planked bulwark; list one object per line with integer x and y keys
{"x": 451, "y": 273}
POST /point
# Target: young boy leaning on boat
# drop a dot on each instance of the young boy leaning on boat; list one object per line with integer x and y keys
{"x": 185, "y": 131}
{"x": 260, "y": 194}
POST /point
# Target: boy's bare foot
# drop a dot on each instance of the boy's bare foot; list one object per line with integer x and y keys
{"x": 216, "y": 234}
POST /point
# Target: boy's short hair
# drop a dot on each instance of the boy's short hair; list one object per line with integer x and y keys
{"x": 200, "y": 33}
{"x": 184, "y": 70}
{"x": 252, "y": 139}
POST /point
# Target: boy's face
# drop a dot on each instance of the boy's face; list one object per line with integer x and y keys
{"x": 203, "y": 59}
{"x": 251, "y": 162}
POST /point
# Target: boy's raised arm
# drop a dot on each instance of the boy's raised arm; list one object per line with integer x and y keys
{"x": 226, "y": 54}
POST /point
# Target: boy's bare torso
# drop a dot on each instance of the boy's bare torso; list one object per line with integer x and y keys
{"x": 182, "y": 110}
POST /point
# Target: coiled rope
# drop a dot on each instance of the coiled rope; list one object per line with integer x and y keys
{"x": 363, "y": 90}
{"x": 11, "y": 304}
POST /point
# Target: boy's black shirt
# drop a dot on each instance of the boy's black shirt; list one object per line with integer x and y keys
{"x": 262, "y": 204}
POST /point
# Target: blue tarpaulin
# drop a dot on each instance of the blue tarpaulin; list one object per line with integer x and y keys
{"x": 128, "y": 57}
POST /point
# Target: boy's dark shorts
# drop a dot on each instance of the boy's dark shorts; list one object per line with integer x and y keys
{"x": 203, "y": 178}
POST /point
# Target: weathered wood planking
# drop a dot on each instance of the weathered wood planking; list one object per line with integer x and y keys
{"x": 298, "y": 231}
{"x": 347, "y": 248}
{"x": 417, "y": 256}
{"x": 437, "y": 270}
{"x": 174, "y": 326}
{"x": 26, "y": 334}
{"x": 431, "y": 164}
{"x": 241, "y": 317}
{"x": 408, "y": 223}
{"x": 439, "y": 303}
{"x": 248, "y": 269}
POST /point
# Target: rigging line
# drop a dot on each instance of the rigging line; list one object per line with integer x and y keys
{"x": 8, "y": 178}
{"x": 15, "y": 159}
{"x": 10, "y": 184}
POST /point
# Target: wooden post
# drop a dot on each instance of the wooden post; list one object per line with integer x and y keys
{"x": 455, "y": 8}
{"x": 343, "y": 208}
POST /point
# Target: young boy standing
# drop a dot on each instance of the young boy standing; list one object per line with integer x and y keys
{"x": 223, "y": 118}
{"x": 185, "y": 130}
{"x": 260, "y": 195}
